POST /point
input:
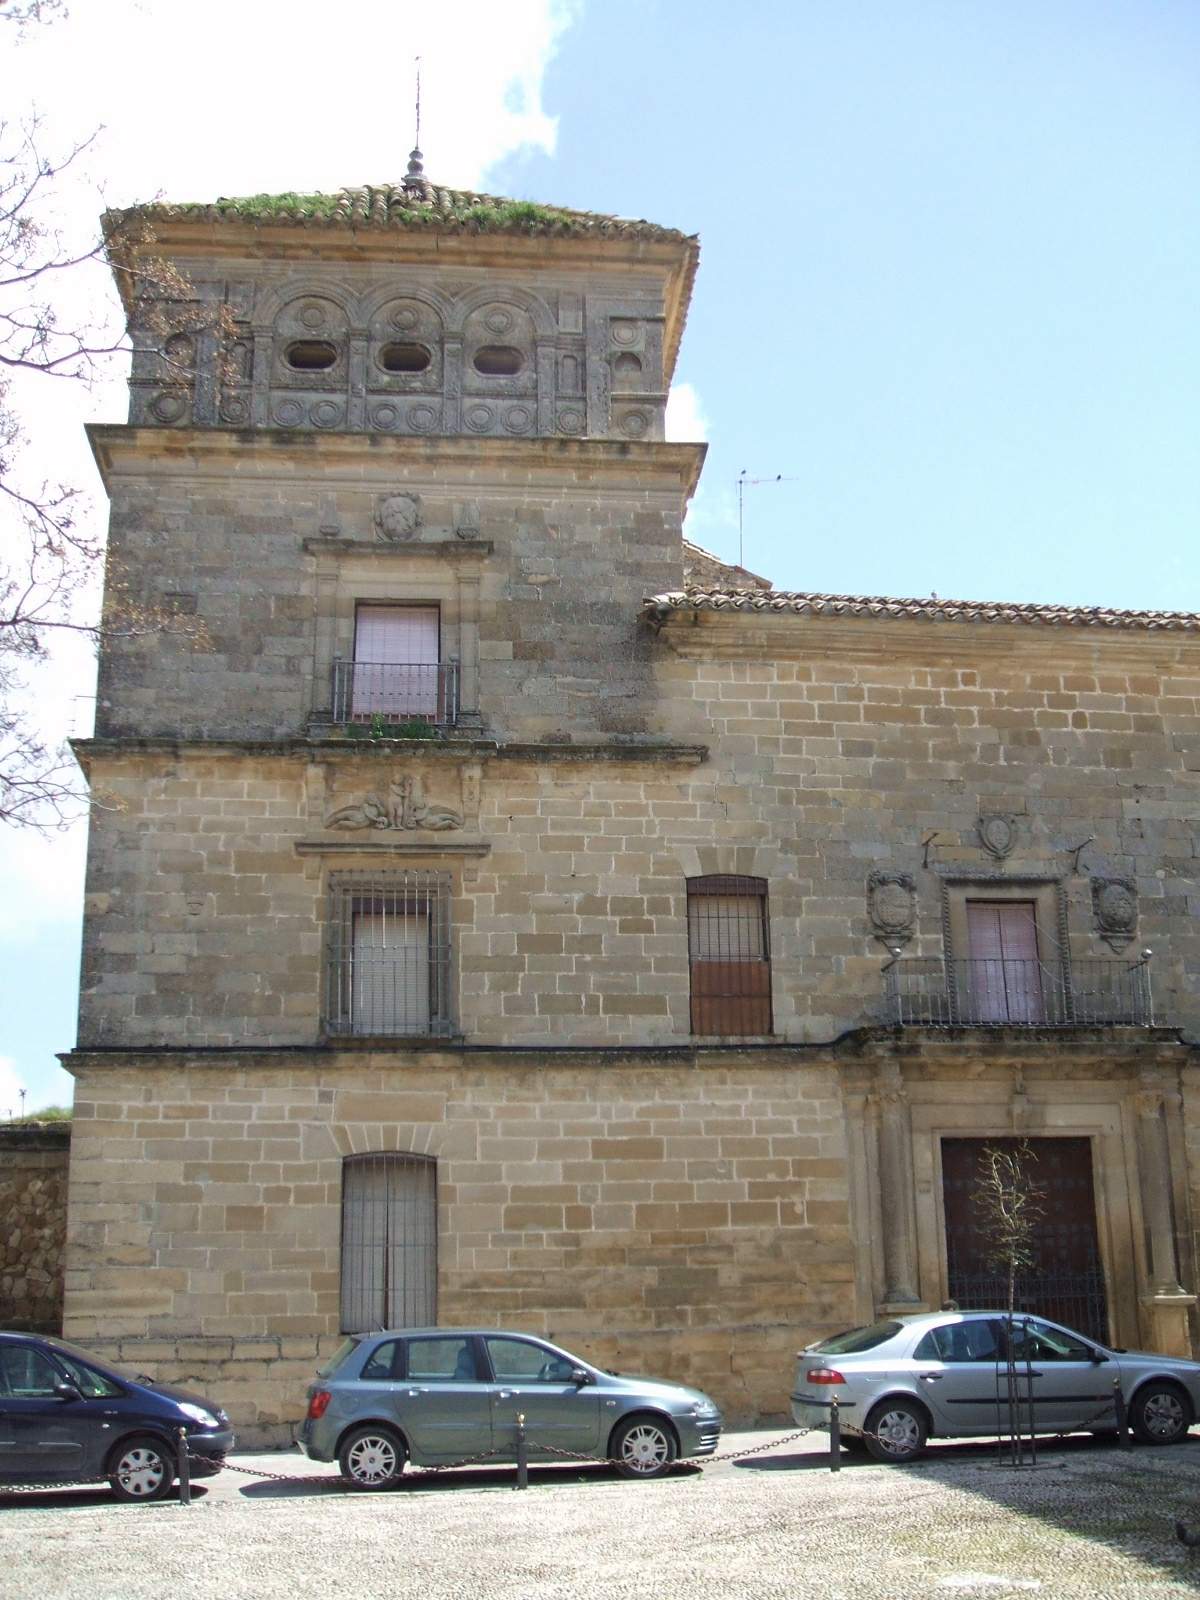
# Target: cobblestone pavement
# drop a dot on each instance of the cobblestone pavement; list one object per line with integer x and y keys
{"x": 1090, "y": 1519}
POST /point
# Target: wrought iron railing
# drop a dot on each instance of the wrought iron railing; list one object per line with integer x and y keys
{"x": 999, "y": 993}
{"x": 397, "y": 691}
{"x": 1076, "y": 1299}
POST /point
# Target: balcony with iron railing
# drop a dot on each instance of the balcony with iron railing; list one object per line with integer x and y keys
{"x": 933, "y": 992}
{"x": 396, "y": 692}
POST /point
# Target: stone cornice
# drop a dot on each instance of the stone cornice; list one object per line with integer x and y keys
{"x": 369, "y": 460}
{"x": 391, "y": 750}
{"x": 765, "y": 635}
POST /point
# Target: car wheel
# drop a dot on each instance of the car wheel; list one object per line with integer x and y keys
{"x": 371, "y": 1458}
{"x": 895, "y": 1431}
{"x": 1159, "y": 1414}
{"x": 141, "y": 1469}
{"x": 643, "y": 1447}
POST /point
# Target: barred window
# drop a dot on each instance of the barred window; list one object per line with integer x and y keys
{"x": 389, "y": 1242}
{"x": 388, "y": 954}
{"x": 729, "y": 951}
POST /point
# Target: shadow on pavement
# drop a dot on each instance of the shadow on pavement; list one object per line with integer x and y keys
{"x": 463, "y": 1479}
{"x": 1126, "y": 1498}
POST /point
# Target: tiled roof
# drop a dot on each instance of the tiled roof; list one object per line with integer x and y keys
{"x": 394, "y": 206}
{"x": 660, "y": 606}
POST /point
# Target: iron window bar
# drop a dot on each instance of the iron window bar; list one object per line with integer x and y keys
{"x": 388, "y": 966}
{"x": 1000, "y": 992}
{"x": 729, "y": 954}
{"x": 389, "y": 1241}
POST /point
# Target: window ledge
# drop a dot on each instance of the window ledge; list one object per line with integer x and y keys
{"x": 388, "y": 845}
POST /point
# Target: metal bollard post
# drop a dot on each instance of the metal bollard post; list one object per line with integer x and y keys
{"x": 522, "y": 1454}
{"x": 1122, "y": 1411}
{"x": 835, "y": 1437}
{"x": 185, "y": 1469}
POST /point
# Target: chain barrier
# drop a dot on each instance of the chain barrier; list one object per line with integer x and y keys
{"x": 1111, "y": 1409}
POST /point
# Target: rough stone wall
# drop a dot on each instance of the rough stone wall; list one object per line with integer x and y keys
{"x": 33, "y": 1209}
{"x": 690, "y": 1221}
{"x": 571, "y": 535}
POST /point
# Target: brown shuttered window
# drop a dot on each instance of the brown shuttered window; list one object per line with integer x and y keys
{"x": 729, "y": 951}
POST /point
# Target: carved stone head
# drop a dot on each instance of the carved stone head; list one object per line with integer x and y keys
{"x": 397, "y": 516}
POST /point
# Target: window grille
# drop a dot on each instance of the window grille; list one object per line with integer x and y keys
{"x": 389, "y": 1242}
{"x": 729, "y": 951}
{"x": 388, "y": 961}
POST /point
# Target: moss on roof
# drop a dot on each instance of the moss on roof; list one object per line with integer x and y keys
{"x": 392, "y": 205}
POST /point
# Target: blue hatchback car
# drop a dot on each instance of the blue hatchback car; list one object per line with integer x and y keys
{"x": 66, "y": 1417}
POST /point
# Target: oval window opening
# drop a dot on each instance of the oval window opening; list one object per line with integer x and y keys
{"x": 498, "y": 361}
{"x": 310, "y": 355}
{"x": 404, "y": 358}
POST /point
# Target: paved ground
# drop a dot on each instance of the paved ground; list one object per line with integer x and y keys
{"x": 1091, "y": 1520}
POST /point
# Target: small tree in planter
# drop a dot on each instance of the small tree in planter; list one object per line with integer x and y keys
{"x": 1008, "y": 1207}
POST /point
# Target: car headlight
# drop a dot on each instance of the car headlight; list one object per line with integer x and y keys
{"x": 705, "y": 1408}
{"x": 198, "y": 1414}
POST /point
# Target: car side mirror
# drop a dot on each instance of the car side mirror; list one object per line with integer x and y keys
{"x": 580, "y": 1378}
{"x": 1098, "y": 1358}
{"x": 66, "y": 1391}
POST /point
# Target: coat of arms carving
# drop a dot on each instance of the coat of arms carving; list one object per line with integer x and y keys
{"x": 892, "y": 906}
{"x": 1114, "y": 901}
{"x": 998, "y": 833}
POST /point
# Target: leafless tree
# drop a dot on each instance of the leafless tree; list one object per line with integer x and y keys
{"x": 1008, "y": 1208}
{"x": 50, "y": 543}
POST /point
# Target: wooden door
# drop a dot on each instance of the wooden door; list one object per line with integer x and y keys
{"x": 1066, "y": 1282}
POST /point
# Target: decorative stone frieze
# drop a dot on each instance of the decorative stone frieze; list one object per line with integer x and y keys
{"x": 403, "y": 807}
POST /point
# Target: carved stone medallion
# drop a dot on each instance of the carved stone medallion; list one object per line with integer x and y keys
{"x": 998, "y": 834}
{"x": 892, "y": 906}
{"x": 1114, "y": 901}
{"x": 403, "y": 807}
{"x": 397, "y": 516}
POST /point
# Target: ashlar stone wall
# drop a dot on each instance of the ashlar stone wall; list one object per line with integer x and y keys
{"x": 683, "y": 1218}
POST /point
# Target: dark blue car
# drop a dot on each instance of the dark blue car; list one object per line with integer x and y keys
{"x": 66, "y": 1417}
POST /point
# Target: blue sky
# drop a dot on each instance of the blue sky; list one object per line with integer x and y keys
{"x": 948, "y": 284}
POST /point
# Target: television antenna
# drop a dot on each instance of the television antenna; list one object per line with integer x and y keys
{"x": 744, "y": 483}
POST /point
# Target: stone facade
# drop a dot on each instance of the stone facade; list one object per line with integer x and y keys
{"x": 633, "y": 719}
{"x": 33, "y": 1204}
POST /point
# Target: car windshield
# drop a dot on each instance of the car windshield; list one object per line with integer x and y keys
{"x": 346, "y": 1348}
{"x": 856, "y": 1339}
{"x": 72, "y": 1357}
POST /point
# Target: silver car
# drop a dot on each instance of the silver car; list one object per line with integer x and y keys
{"x": 946, "y": 1375}
{"x": 434, "y": 1396}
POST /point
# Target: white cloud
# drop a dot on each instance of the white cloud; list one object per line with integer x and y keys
{"x": 686, "y": 422}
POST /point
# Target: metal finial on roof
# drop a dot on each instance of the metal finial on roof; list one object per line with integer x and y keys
{"x": 415, "y": 181}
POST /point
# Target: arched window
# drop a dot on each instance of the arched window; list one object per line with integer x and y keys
{"x": 730, "y": 955}
{"x": 389, "y": 1242}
